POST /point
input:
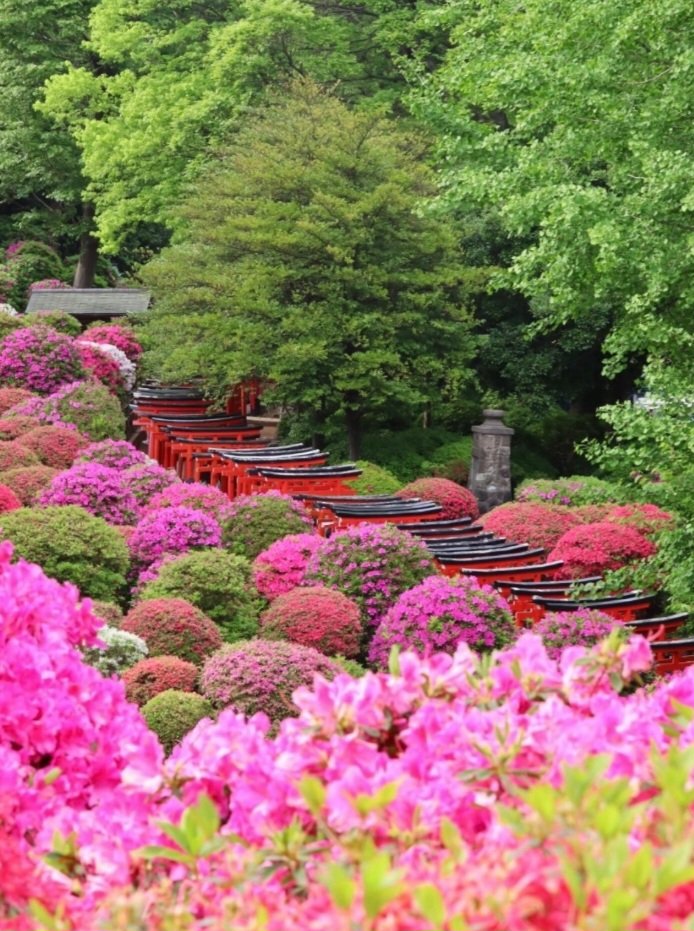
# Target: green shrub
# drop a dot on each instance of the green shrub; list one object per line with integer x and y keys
{"x": 350, "y": 666}
{"x": 574, "y": 491}
{"x": 109, "y": 612}
{"x": 92, "y": 408}
{"x": 120, "y": 651}
{"x": 171, "y": 714}
{"x": 258, "y": 521}
{"x": 57, "y": 319}
{"x": 452, "y": 461}
{"x": 374, "y": 480}
{"x": 70, "y": 545}
{"x": 216, "y": 582}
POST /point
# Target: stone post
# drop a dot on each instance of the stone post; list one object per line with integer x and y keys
{"x": 490, "y": 470}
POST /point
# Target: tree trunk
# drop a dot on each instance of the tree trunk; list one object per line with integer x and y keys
{"x": 89, "y": 251}
{"x": 353, "y": 424}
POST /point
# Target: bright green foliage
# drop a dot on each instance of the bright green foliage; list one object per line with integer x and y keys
{"x": 171, "y": 714}
{"x": 307, "y": 260}
{"x": 374, "y": 480}
{"x": 573, "y": 122}
{"x": 70, "y": 545}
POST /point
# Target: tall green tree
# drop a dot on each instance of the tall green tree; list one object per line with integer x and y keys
{"x": 573, "y": 122}
{"x": 303, "y": 257}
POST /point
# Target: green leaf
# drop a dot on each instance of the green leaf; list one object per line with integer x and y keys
{"x": 340, "y": 885}
{"x": 159, "y": 852}
{"x": 430, "y": 903}
{"x": 313, "y": 792}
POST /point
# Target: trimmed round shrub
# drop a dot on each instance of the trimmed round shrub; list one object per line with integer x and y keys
{"x": 116, "y": 454}
{"x": 9, "y": 324}
{"x": 39, "y": 359}
{"x": 648, "y": 519}
{"x": 172, "y": 530}
{"x": 591, "y": 513}
{"x": 101, "y": 366}
{"x": 257, "y": 521}
{"x": 593, "y": 549}
{"x": 261, "y": 676}
{"x": 173, "y": 627}
{"x": 119, "y": 651}
{"x": 28, "y": 482}
{"x": 171, "y": 714}
{"x": 282, "y": 566}
{"x": 96, "y": 488}
{"x": 156, "y": 674}
{"x": 108, "y": 612}
{"x": 573, "y": 491}
{"x": 148, "y": 479}
{"x": 441, "y": 613}
{"x": 11, "y": 396}
{"x": 204, "y": 498}
{"x": 70, "y": 545}
{"x": 87, "y": 405}
{"x": 373, "y": 564}
{"x": 59, "y": 320}
{"x": 56, "y": 447}
{"x": 14, "y": 454}
{"x": 8, "y": 499}
{"x": 216, "y": 582}
{"x": 120, "y": 336}
{"x": 316, "y": 617}
{"x": 525, "y": 522}
{"x": 584, "y": 628}
{"x": 11, "y": 428}
{"x": 455, "y": 500}
{"x": 374, "y": 480}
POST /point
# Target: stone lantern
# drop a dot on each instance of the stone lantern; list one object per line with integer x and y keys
{"x": 490, "y": 470}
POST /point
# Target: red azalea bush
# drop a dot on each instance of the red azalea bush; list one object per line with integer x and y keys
{"x": 537, "y": 524}
{"x": 648, "y": 519}
{"x": 439, "y": 614}
{"x": 8, "y": 499}
{"x": 282, "y": 566}
{"x": 455, "y": 500}
{"x": 117, "y": 335}
{"x": 28, "y": 482}
{"x": 193, "y": 495}
{"x": 14, "y": 454}
{"x": 254, "y": 676}
{"x": 56, "y": 447}
{"x": 98, "y": 364}
{"x": 584, "y": 628}
{"x": 150, "y": 676}
{"x": 173, "y": 627}
{"x": 11, "y": 428}
{"x": 593, "y": 549}
{"x": 316, "y": 617}
{"x": 11, "y": 396}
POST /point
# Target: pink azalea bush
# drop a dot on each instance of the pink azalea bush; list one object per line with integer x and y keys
{"x": 120, "y": 336}
{"x": 14, "y": 455}
{"x": 88, "y": 405}
{"x": 316, "y": 617}
{"x": 193, "y": 495}
{"x": 116, "y": 454}
{"x": 593, "y": 549}
{"x": 28, "y": 482}
{"x": 439, "y": 614}
{"x": 126, "y": 368}
{"x": 14, "y": 427}
{"x": 39, "y": 359}
{"x": 172, "y": 530}
{"x": 95, "y": 488}
{"x": 373, "y": 564}
{"x": 47, "y": 284}
{"x": 585, "y": 627}
{"x": 455, "y": 500}
{"x": 11, "y": 396}
{"x": 56, "y": 447}
{"x": 648, "y": 519}
{"x": 147, "y": 479}
{"x": 282, "y": 566}
{"x": 526, "y": 522}
{"x": 101, "y": 366}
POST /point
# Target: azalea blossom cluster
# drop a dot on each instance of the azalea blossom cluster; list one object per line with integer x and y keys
{"x": 39, "y": 359}
{"x": 122, "y": 337}
{"x": 204, "y": 498}
{"x": 96, "y": 488}
{"x": 527, "y": 522}
{"x": 87, "y": 405}
{"x": 172, "y": 530}
{"x": 585, "y": 627}
{"x": 593, "y": 549}
{"x": 116, "y": 454}
{"x": 455, "y": 500}
{"x": 282, "y": 566}
{"x": 101, "y": 366}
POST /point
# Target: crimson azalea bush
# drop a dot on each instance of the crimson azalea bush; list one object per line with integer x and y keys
{"x": 592, "y": 549}
{"x": 87, "y": 405}
{"x": 156, "y": 674}
{"x": 316, "y": 617}
{"x": 254, "y": 676}
{"x": 172, "y": 714}
{"x": 193, "y": 495}
{"x": 648, "y": 519}
{"x": 116, "y": 454}
{"x": 11, "y": 396}
{"x": 525, "y": 522}
{"x": 455, "y": 500}
{"x": 256, "y": 521}
{"x": 120, "y": 336}
{"x": 101, "y": 366}
{"x": 373, "y": 564}
{"x": 439, "y": 614}
{"x": 28, "y": 482}
{"x": 11, "y": 428}
{"x": 172, "y": 530}
{"x": 56, "y": 447}
{"x": 147, "y": 479}
{"x": 282, "y": 566}
{"x": 216, "y": 582}
{"x": 585, "y": 627}
{"x": 8, "y": 499}
{"x": 97, "y": 489}
{"x": 173, "y": 627}
{"x": 14, "y": 454}
{"x": 39, "y": 359}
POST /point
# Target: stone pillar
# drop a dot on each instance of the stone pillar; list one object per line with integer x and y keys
{"x": 490, "y": 470}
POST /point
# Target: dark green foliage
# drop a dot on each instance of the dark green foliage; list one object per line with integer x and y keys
{"x": 171, "y": 714}
{"x": 70, "y": 545}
